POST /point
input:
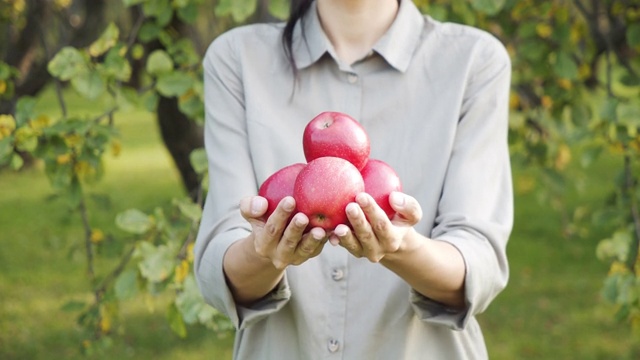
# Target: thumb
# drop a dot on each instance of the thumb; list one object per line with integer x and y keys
{"x": 407, "y": 208}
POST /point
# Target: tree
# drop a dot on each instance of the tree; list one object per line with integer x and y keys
{"x": 574, "y": 97}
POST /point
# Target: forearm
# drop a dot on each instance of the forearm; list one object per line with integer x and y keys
{"x": 433, "y": 268}
{"x": 249, "y": 275}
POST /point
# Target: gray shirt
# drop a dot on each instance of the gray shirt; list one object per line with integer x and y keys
{"x": 433, "y": 98}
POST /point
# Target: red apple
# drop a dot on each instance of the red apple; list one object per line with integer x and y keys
{"x": 336, "y": 134}
{"x": 324, "y": 188}
{"x": 279, "y": 185}
{"x": 380, "y": 179}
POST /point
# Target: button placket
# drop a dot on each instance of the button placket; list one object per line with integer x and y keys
{"x": 352, "y": 78}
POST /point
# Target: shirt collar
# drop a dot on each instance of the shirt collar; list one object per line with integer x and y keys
{"x": 396, "y": 46}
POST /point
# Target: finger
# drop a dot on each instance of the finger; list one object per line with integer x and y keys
{"x": 310, "y": 244}
{"x": 377, "y": 218}
{"x": 278, "y": 221}
{"x": 363, "y": 232}
{"x": 343, "y": 236}
{"x": 407, "y": 208}
{"x": 253, "y": 207}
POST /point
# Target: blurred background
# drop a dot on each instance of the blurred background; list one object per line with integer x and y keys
{"x": 102, "y": 173}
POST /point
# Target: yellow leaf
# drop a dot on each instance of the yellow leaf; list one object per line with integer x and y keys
{"x": 546, "y": 101}
{"x": 7, "y": 125}
{"x": 97, "y": 236}
{"x": 40, "y": 123}
{"x": 73, "y": 141}
{"x": 618, "y": 267}
{"x": 116, "y": 147}
{"x": 514, "y": 100}
{"x": 3, "y": 87}
{"x": 82, "y": 169}
{"x": 63, "y": 4}
{"x": 544, "y": 30}
{"x": 563, "y": 157}
{"x": 63, "y": 159}
{"x": 566, "y": 84}
{"x": 584, "y": 71}
{"x": 190, "y": 252}
{"x": 105, "y": 324}
{"x": 182, "y": 270}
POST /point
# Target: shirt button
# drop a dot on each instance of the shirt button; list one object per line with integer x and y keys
{"x": 352, "y": 78}
{"x": 337, "y": 274}
{"x": 333, "y": 345}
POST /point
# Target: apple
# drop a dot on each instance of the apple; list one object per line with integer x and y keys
{"x": 336, "y": 134}
{"x": 380, "y": 179}
{"x": 324, "y": 188}
{"x": 279, "y": 185}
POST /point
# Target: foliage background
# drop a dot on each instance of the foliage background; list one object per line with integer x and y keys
{"x": 100, "y": 136}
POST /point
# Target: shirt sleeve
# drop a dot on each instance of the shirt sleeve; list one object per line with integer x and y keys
{"x": 231, "y": 176}
{"x": 475, "y": 212}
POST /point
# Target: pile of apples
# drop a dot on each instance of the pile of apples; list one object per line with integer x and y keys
{"x": 336, "y": 148}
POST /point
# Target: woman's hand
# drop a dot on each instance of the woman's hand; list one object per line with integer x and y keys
{"x": 374, "y": 236}
{"x": 280, "y": 241}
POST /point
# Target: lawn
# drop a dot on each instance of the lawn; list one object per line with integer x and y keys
{"x": 550, "y": 310}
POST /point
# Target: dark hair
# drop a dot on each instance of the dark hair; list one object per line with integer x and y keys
{"x": 297, "y": 9}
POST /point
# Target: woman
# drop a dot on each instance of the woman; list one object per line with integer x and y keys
{"x": 433, "y": 98}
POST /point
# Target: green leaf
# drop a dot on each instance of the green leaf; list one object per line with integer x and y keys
{"x": 279, "y": 9}
{"x": 610, "y": 288}
{"x": 239, "y": 10}
{"x": 106, "y": 41}
{"x": 189, "y": 209}
{"x": 616, "y": 247}
{"x": 6, "y": 149}
{"x": 198, "y": 160}
{"x": 565, "y": 67}
{"x": 89, "y": 84}
{"x": 609, "y": 110}
{"x": 134, "y": 221}
{"x": 126, "y": 286}
{"x": 16, "y": 161}
{"x": 191, "y": 304}
{"x": 158, "y": 262}
{"x": 132, "y": 2}
{"x": 126, "y": 98}
{"x": 176, "y": 322}
{"x": 159, "y": 62}
{"x": 149, "y": 31}
{"x": 489, "y": 7}
{"x": 188, "y": 14}
{"x": 115, "y": 65}
{"x": 25, "y": 110}
{"x": 174, "y": 84}
{"x": 67, "y": 63}
{"x": 633, "y": 35}
{"x": 160, "y": 9}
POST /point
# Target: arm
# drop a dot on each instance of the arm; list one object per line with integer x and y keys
{"x": 462, "y": 263}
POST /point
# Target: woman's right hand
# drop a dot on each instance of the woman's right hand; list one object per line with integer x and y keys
{"x": 281, "y": 241}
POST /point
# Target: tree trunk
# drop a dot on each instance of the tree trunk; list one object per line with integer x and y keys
{"x": 181, "y": 135}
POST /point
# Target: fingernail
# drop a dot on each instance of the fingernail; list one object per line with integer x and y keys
{"x": 340, "y": 231}
{"x": 333, "y": 240}
{"x": 256, "y": 205}
{"x": 363, "y": 200}
{"x": 288, "y": 204}
{"x": 397, "y": 199}
{"x": 352, "y": 210}
{"x": 315, "y": 232}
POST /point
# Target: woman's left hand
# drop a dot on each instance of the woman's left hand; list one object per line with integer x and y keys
{"x": 373, "y": 235}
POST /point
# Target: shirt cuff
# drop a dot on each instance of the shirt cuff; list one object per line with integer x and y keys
{"x": 269, "y": 304}
{"x": 437, "y": 313}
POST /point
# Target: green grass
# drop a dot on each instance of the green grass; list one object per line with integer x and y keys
{"x": 550, "y": 310}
